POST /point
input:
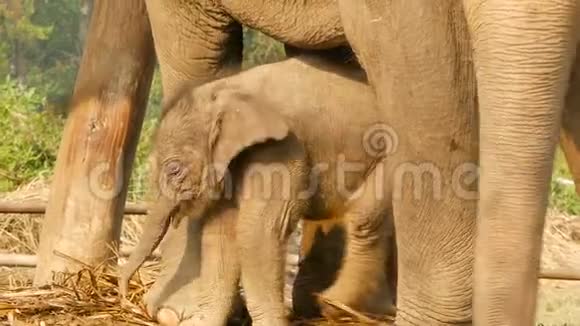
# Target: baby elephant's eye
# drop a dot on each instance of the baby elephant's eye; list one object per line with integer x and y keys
{"x": 173, "y": 168}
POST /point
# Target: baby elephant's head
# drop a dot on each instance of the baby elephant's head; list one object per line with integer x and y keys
{"x": 199, "y": 135}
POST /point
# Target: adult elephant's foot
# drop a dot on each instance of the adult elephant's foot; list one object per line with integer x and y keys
{"x": 198, "y": 284}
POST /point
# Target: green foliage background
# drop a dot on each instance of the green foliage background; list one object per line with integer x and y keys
{"x": 40, "y": 50}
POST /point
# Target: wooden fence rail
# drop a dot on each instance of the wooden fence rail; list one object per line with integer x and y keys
{"x": 38, "y": 207}
{"x": 22, "y": 260}
{"x": 19, "y": 260}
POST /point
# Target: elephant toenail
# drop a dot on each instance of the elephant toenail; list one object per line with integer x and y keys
{"x": 167, "y": 317}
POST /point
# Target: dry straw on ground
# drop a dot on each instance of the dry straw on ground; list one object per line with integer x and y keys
{"x": 90, "y": 297}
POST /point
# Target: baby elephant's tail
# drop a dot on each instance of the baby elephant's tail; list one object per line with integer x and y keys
{"x": 156, "y": 226}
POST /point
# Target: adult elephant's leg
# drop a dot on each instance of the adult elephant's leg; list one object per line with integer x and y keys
{"x": 570, "y": 132}
{"x": 85, "y": 208}
{"x": 523, "y": 51}
{"x": 194, "y": 42}
{"x": 417, "y": 57}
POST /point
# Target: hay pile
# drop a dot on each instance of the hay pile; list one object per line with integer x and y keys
{"x": 88, "y": 297}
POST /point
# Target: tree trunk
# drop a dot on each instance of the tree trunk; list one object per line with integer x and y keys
{"x": 17, "y": 64}
{"x": 87, "y": 199}
{"x": 86, "y": 9}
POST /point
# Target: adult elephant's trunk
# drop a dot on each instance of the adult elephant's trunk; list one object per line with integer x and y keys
{"x": 155, "y": 228}
{"x": 522, "y": 56}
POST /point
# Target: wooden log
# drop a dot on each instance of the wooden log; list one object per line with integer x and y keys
{"x": 20, "y": 260}
{"x": 558, "y": 274}
{"x": 40, "y": 207}
{"x": 84, "y": 212}
{"x": 17, "y": 260}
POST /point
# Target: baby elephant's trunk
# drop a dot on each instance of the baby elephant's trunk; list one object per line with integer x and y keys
{"x": 156, "y": 226}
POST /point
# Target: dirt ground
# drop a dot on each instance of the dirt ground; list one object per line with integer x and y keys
{"x": 558, "y": 303}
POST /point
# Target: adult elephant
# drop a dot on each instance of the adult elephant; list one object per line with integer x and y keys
{"x": 433, "y": 55}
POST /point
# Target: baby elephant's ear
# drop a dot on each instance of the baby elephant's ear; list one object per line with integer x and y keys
{"x": 242, "y": 121}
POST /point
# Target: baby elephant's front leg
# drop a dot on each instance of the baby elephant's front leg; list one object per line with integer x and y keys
{"x": 263, "y": 230}
{"x": 269, "y": 180}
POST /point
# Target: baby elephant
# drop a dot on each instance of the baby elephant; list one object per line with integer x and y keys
{"x": 282, "y": 142}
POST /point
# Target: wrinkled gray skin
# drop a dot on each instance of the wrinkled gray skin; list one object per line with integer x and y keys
{"x": 285, "y": 118}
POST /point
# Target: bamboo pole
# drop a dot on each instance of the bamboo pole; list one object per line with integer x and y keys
{"x": 17, "y": 260}
{"x": 36, "y": 207}
{"x": 558, "y": 274}
{"x": 21, "y": 260}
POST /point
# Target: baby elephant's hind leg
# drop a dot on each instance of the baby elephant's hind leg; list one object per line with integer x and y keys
{"x": 321, "y": 254}
{"x": 363, "y": 283}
